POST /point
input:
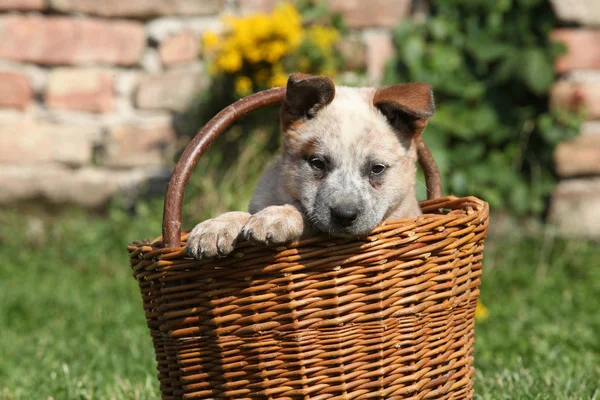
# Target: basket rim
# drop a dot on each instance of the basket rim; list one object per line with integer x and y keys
{"x": 433, "y": 207}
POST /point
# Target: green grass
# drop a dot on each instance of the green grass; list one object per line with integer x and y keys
{"x": 542, "y": 338}
{"x": 72, "y": 327}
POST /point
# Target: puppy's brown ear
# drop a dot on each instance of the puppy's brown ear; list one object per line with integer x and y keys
{"x": 407, "y": 107}
{"x": 305, "y": 95}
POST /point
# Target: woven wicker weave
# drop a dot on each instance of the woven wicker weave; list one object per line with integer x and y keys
{"x": 390, "y": 316}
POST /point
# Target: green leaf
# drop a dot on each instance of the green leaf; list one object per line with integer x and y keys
{"x": 538, "y": 71}
{"x": 484, "y": 119}
{"x": 486, "y": 50}
{"x": 413, "y": 50}
{"x": 403, "y": 31}
{"x": 442, "y": 57}
{"x": 441, "y": 28}
{"x": 507, "y": 69}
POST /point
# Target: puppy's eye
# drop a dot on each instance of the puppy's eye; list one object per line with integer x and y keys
{"x": 377, "y": 169}
{"x": 318, "y": 164}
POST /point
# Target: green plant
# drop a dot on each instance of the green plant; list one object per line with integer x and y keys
{"x": 490, "y": 64}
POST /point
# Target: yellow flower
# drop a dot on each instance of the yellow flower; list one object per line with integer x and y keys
{"x": 287, "y": 24}
{"x": 243, "y": 85}
{"x": 261, "y": 43}
{"x": 323, "y": 37}
{"x": 253, "y": 54}
{"x": 210, "y": 41}
{"x": 274, "y": 51}
{"x": 230, "y": 61}
{"x": 260, "y": 27}
{"x": 288, "y": 13}
{"x": 481, "y": 312}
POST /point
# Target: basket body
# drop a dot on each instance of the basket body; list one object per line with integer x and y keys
{"x": 390, "y": 316}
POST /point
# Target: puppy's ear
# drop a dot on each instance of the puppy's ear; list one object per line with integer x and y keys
{"x": 407, "y": 107}
{"x": 305, "y": 96}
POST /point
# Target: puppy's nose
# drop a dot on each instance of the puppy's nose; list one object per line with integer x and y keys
{"x": 344, "y": 215}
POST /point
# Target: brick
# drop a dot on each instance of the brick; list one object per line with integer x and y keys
{"x": 580, "y": 156}
{"x": 91, "y": 187}
{"x": 87, "y": 187}
{"x": 138, "y": 8}
{"x": 585, "y": 12}
{"x": 63, "y": 40}
{"x": 160, "y": 29}
{"x": 380, "y": 49}
{"x": 181, "y": 48}
{"x": 138, "y": 144}
{"x": 12, "y": 115}
{"x": 124, "y": 112}
{"x": 20, "y": 183}
{"x": 88, "y": 90}
{"x": 15, "y": 90}
{"x": 35, "y": 75}
{"x": 172, "y": 90}
{"x": 22, "y": 5}
{"x": 583, "y": 49}
{"x": 590, "y": 128}
{"x": 375, "y": 13}
{"x": 576, "y": 96}
{"x": 575, "y": 207}
{"x": 31, "y": 142}
{"x": 73, "y": 118}
{"x": 254, "y": 6}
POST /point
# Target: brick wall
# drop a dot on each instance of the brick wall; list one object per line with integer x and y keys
{"x": 89, "y": 88}
{"x": 575, "y": 206}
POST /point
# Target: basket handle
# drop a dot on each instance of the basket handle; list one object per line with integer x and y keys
{"x": 171, "y": 228}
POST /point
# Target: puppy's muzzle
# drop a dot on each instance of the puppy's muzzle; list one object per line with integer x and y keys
{"x": 344, "y": 215}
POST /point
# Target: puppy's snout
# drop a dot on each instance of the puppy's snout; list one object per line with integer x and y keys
{"x": 344, "y": 215}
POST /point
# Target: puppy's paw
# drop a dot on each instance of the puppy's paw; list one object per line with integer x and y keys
{"x": 216, "y": 237}
{"x": 274, "y": 225}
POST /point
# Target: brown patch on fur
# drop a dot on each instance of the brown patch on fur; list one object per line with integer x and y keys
{"x": 309, "y": 147}
{"x": 412, "y": 103}
{"x": 286, "y": 120}
{"x": 291, "y": 125}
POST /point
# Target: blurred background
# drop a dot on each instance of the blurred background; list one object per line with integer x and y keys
{"x": 98, "y": 99}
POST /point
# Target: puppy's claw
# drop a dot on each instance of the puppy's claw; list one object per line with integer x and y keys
{"x": 225, "y": 244}
{"x": 216, "y": 237}
{"x": 274, "y": 225}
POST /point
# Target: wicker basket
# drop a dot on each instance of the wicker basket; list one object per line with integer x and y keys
{"x": 387, "y": 317}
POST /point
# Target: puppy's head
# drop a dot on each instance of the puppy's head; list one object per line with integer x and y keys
{"x": 349, "y": 154}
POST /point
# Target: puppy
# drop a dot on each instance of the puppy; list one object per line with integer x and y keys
{"x": 347, "y": 162}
